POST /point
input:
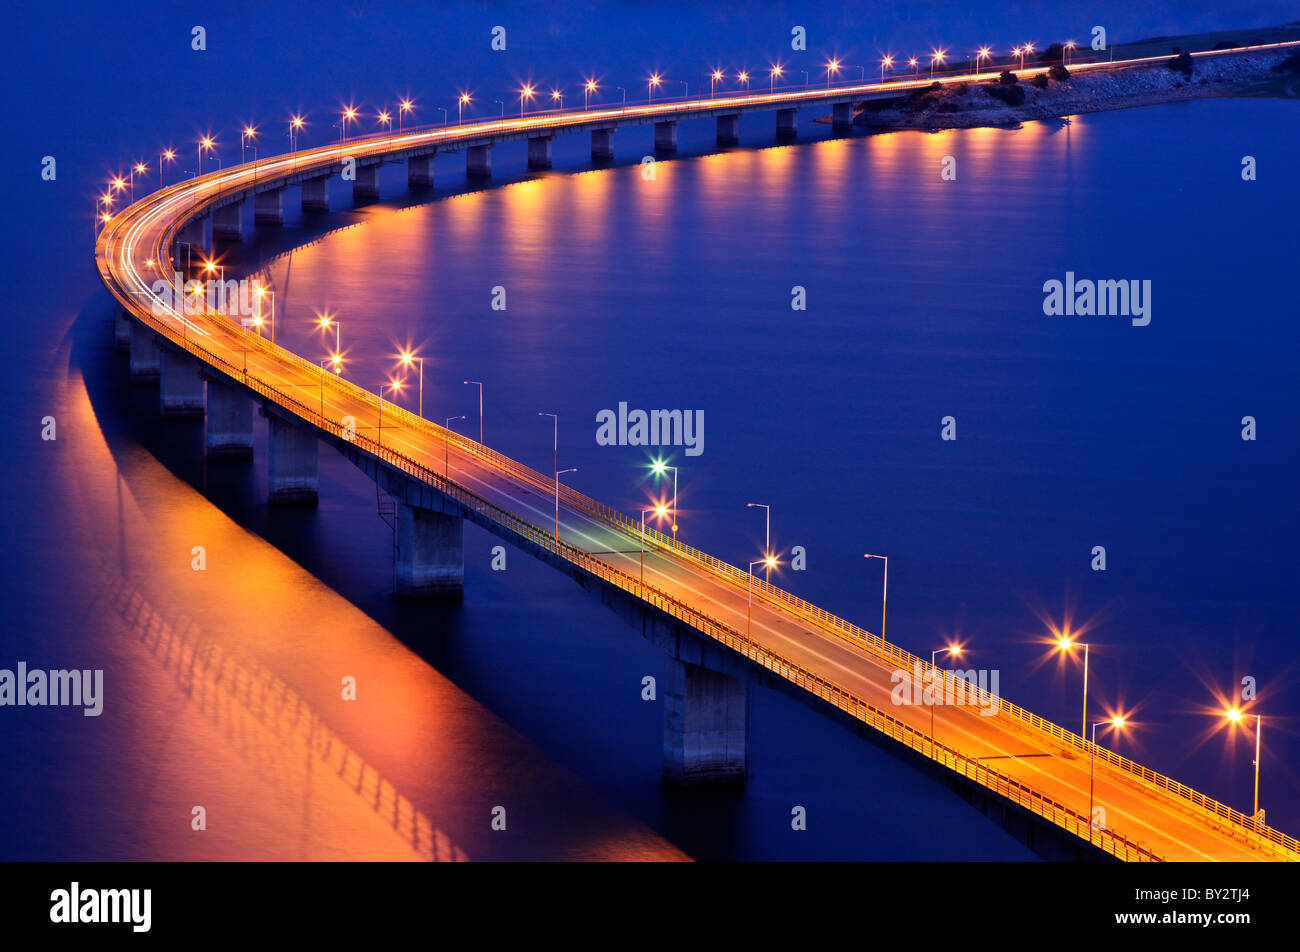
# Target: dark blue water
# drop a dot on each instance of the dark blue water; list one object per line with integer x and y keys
{"x": 924, "y": 300}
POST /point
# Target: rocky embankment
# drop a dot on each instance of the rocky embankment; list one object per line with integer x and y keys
{"x": 1009, "y": 101}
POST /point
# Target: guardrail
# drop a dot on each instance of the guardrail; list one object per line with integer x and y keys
{"x": 298, "y": 163}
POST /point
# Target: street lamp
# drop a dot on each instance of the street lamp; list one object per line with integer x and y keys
{"x": 659, "y": 511}
{"x": 743, "y": 77}
{"x": 652, "y": 84}
{"x": 446, "y": 446}
{"x": 170, "y": 156}
{"x": 715, "y": 77}
{"x": 557, "y": 96}
{"x": 767, "y": 534}
{"x": 1115, "y": 722}
{"x": 772, "y": 77}
{"x": 479, "y": 384}
{"x": 832, "y": 66}
{"x": 503, "y": 107}
{"x": 249, "y": 134}
{"x": 385, "y": 119}
{"x": 204, "y": 143}
{"x": 555, "y": 463}
{"x": 525, "y": 93}
{"x": 325, "y": 321}
{"x": 886, "y": 62}
{"x": 407, "y": 358}
{"x": 1235, "y": 716}
{"x": 884, "y": 591}
{"x": 295, "y": 129}
{"x": 935, "y": 58}
{"x": 461, "y": 102}
{"x": 393, "y": 386}
{"x": 913, "y": 62}
{"x": 980, "y": 56}
{"x": 1069, "y": 46}
{"x": 349, "y": 114}
{"x": 955, "y": 651}
{"x": 261, "y": 293}
{"x": 659, "y": 467}
{"x": 767, "y": 560}
{"x": 1065, "y": 643}
{"x": 335, "y": 361}
{"x": 588, "y": 88}
{"x": 441, "y": 109}
{"x": 558, "y": 474}
{"x": 405, "y": 107}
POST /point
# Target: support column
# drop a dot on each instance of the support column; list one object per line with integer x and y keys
{"x": 180, "y": 394}
{"x": 728, "y": 130}
{"x": 430, "y": 554}
{"x": 787, "y": 123}
{"x": 478, "y": 161}
{"x": 228, "y": 222}
{"x": 292, "y": 463}
{"x": 144, "y": 353}
{"x": 706, "y": 725}
{"x": 122, "y": 331}
{"x": 366, "y": 186}
{"x": 419, "y": 171}
{"x": 229, "y": 430}
{"x": 842, "y": 116}
{"x": 602, "y": 144}
{"x": 539, "y": 152}
{"x": 666, "y": 136}
{"x": 316, "y": 194}
{"x": 268, "y": 207}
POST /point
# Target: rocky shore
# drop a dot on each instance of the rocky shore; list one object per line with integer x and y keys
{"x": 1009, "y": 101}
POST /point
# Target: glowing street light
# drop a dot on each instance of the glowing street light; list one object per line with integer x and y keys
{"x": 403, "y": 108}
{"x": 767, "y": 532}
{"x": 325, "y": 322}
{"x": 654, "y": 82}
{"x": 261, "y": 293}
{"x": 295, "y": 128}
{"x": 743, "y": 77}
{"x": 249, "y": 134}
{"x": 715, "y": 77}
{"x": 773, "y": 75}
{"x": 349, "y": 115}
{"x": 913, "y": 62}
{"x": 768, "y": 561}
{"x": 936, "y": 58}
{"x": 1066, "y": 643}
{"x": 660, "y": 511}
{"x": 832, "y": 66}
{"x": 462, "y": 101}
{"x": 407, "y": 358}
{"x": 886, "y": 62}
{"x": 393, "y": 387}
{"x": 588, "y": 88}
{"x": 1069, "y": 47}
{"x": 659, "y": 467}
{"x": 479, "y": 384}
{"x": 981, "y": 55}
{"x": 557, "y": 96}
{"x": 336, "y": 362}
{"x": 525, "y": 94}
{"x": 884, "y": 591}
{"x": 1027, "y": 48}
{"x": 385, "y": 119}
{"x": 1235, "y": 716}
{"x": 170, "y": 156}
{"x": 954, "y": 651}
{"x": 1116, "y": 722}
{"x": 205, "y": 144}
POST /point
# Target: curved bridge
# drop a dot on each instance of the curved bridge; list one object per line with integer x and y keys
{"x": 722, "y": 628}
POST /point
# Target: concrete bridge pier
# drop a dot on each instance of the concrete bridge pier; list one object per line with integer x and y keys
{"x": 292, "y": 463}
{"x": 228, "y": 222}
{"x": 539, "y": 152}
{"x": 229, "y": 430}
{"x": 728, "y": 130}
{"x": 268, "y": 207}
{"x": 180, "y": 391}
{"x": 430, "y": 554}
{"x": 122, "y": 330}
{"x": 842, "y": 116}
{"x": 706, "y": 725}
{"x": 666, "y": 136}
{"x": 419, "y": 171}
{"x": 316, "y": 194}
{"x": 602, "y": 145}
{"x": 787, "y": 123}
{"x": 145, "y": 362}
{"x": 478, "y": 161}
{"x": 366, "y": 186}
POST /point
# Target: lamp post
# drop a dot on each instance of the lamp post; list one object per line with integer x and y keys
{"x": 170, "y": 156}
{"x": 936, "y": 58}
{"x": 1236, "y": 716}
{"x": 461, "y": 102}
{"x": 479, "y": 384}
{"x": 659, "y": 467}
{"x": 295, "y": 129}
{"x": 915, "y": 63}
{"x": 980, "y": 56}
{"x": 407, "y": 358}
{"x": 392, "y": 386}
{"x": 446, "y": 446}
{"x": 772, "y": 77}
{"x": 767, "y": 532}
{"x": 886, "y": 62}
{"x": 588, "y": 88}
{"x": 555, "y": 459}
{"x": 658, "y": 511}
{"x": 261, "y": 293}
{"x": 1117, "y": 723}
{"x": 884, "y": 591}
{"x": 1069, "y": 49}
{"x": 325, "y": 321}
{"x": 204, "y": 143}
{"x": 1065, "y": 643}
{"x": 624, "y": 92}
{"x": 769, "y": 561}
{"x": 249, "y": 134}
{"x": 558, "y": 474}
{"x": 525, "y": 94}
{"x": 652, "y": 84}
{"x": 955, "y": 651}
{"x": 336, "y": 361}
{"x": 406, "y": 106}
{"x": 715, "y": 77}
{"x": 832, "y": 66}
{"x": 503, "y": 107}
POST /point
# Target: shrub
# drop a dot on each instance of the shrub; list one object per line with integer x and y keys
{"x": 1182, "y": 63}
{"x": 1059, "y": 73}
{"x": 1041, "y": 80}
{"x": 1007, "y": 78}
{"x": 1011, "y": 95}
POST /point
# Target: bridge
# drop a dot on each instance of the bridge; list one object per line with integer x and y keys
{"x": 723, "y": 630}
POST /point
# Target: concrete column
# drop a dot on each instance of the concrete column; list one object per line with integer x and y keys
{"x": 229, "y": 430}
{"x": 842, "y": 116}
{"x": 666, "y": 136}
{"x": 122, "y": 331}
{"x": 419, "y": 171}
{"x": 602, "y": 144}
{"x": 316, "y": 194}
{"x": 180, "y": 393}
{"x": 478, "y": 161}
{"x": 539, "y": 152}
{"x": 366, "y": 186}
{"x": 144, "y": 353}
{"x": 706, "y": 725}
{"x": 787, "y": 124}
{"x": 268, "y": 207}
{"x": 728, "y": 130}
{"x": 292, "y": 463}
{"x": 228, "y": 222}
{"x": 430, "y": 554}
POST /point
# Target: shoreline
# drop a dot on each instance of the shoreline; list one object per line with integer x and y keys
{"x": 971, "y": 105}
